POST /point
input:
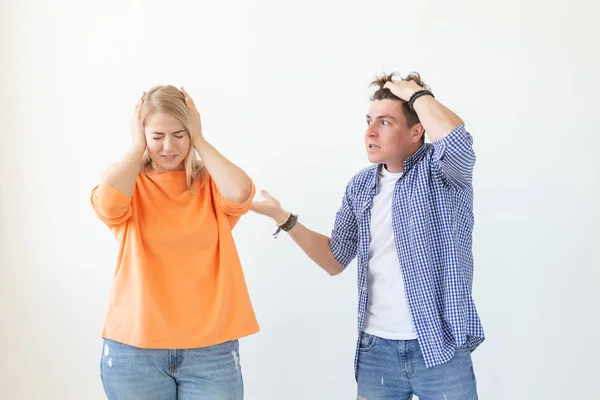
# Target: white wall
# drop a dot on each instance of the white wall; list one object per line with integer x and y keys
{"x": 282, "y": 88}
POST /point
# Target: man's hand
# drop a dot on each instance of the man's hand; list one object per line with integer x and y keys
{"x": 269, "y": 207}
{"x": 403, "y": 89}
{"x": 315, "y": 245}
{"x": 437, "y": 120}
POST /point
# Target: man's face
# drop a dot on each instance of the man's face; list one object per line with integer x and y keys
{"x": 388, "y": 139}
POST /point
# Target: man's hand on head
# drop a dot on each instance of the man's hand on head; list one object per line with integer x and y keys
{"x": 402, "y": 89}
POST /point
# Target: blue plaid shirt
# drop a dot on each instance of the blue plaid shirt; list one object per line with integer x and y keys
{"x": 432, "y": 215}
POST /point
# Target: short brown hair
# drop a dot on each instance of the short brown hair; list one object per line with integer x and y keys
{"x": 386, "y": 94}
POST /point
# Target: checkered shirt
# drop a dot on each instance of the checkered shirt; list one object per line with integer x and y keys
{"x": 432, "y": 215}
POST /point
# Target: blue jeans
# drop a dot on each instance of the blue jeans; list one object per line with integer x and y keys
{"x": 131, "y": 373}
{"x": 395, "y": 369}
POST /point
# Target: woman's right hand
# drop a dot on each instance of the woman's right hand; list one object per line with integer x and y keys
{"x": 138, "y": 135}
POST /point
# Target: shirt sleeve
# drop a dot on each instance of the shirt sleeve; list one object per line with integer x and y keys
{"x": 344, "y": 236}
{"x": 454, "y": 159}
{"x": 233, "y": 208}
{"x": 111, "y": 206}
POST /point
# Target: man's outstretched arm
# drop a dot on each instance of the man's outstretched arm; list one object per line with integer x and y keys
{"x": 317, "y": 247}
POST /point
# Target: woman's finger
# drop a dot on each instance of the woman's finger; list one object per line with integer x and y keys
{"x": 188, "y": 99}
{"x": 138, "y": 106}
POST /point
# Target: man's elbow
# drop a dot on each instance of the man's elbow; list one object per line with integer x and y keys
{"x": 335, "y": 269}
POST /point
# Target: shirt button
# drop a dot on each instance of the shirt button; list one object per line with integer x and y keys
{"x": 364, "y": 288}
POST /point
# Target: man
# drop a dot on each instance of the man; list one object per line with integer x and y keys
{"x": 408, "y": 219}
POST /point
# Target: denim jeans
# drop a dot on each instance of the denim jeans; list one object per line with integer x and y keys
{"x": 131, "y": 373}
{"x": 395, "y": 369}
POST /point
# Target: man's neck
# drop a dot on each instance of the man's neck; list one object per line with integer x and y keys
{"x": 397, "y": 165}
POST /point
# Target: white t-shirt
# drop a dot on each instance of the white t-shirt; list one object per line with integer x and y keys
{"x": 387, "y": 315}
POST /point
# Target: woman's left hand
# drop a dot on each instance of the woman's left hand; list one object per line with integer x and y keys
{"x": 196, "y": 128}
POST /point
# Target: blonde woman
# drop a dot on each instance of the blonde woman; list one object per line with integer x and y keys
{"x": 179, "y": 301}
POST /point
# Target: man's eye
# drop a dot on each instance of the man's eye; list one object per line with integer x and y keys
{"x": 178, "y": 137}
{"x": 385, "y": 123}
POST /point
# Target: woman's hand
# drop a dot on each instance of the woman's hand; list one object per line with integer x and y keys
{"x": 138, "y": 135}
{"x": 196, "y": 136}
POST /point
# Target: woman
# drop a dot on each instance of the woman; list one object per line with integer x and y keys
{"x": 179, "y": 300}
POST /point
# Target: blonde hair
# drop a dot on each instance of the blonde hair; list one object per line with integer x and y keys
{"x": 170, "y": 100}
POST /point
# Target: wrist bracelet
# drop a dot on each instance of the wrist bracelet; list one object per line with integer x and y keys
{"x": 418, "y": 94}
{"x": 287, "y": 225}
{"x": 285, "y": 220}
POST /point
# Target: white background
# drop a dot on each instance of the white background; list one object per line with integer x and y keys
{"x": 283, "y": 90}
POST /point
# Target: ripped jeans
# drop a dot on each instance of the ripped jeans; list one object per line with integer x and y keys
{"x": 395, "y": 369}
{"x": 131, "y": 373}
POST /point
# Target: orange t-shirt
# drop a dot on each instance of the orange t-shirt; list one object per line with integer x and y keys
{"x": 178, "y": 282}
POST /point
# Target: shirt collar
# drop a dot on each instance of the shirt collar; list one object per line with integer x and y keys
{"x": 410, "y": 162}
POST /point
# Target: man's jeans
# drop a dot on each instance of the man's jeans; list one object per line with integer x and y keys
{"x": 395, "y": 369}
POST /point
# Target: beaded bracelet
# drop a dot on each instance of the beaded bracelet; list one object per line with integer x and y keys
{"x": 418, "y": 94}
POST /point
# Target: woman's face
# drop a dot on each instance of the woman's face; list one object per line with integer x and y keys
{"x": 167, "y": 141}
